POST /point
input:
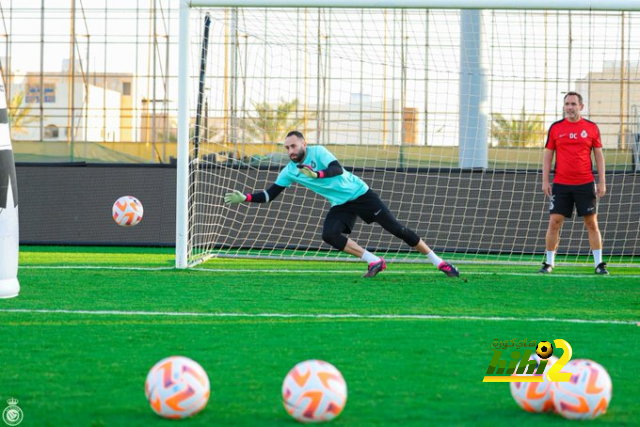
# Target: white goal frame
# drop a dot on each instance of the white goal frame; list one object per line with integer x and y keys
{"x": 182, "y": 192}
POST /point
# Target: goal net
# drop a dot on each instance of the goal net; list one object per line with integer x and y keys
{"x": 442, "y": 112}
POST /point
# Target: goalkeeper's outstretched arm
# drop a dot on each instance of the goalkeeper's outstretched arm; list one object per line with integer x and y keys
{"x": 260, "y": 197}
{"x": 333, "y": 169}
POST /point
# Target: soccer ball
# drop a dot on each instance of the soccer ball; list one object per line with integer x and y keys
{"x": 127, "y": 211}
{"x": 534, "y": 397}
{"x": 177, "y": 387}
{"x": 586, "y": 395}
{"x": 314, "y": 391}
{"x": 544, "y": 349}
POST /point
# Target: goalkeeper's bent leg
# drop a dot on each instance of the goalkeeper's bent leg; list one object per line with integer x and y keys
{"x": 393, "y": 226}
{"x": 332, "y": 234}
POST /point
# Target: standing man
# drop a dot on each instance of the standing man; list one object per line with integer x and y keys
{"x": 573, "y": 139}
{"x": 317, "y": 169}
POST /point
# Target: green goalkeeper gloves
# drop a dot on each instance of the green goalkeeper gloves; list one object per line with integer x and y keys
{"x": 308, "y": 171}
{"x": 234, "y": 197}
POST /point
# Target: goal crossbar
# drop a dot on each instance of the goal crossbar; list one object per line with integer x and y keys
{"x": 603, "y": 5}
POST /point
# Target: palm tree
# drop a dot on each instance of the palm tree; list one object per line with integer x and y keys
{"x": 273, "y": 122}
{"x": 19, "y": 114}
{"x": 522, "y": 131}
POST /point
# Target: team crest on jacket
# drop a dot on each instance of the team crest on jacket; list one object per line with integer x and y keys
{"x": 584, "y": 134}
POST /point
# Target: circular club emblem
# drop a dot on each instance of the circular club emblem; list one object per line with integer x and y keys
{"x": 584, "y": 134}
{"x": 12, "y": 415}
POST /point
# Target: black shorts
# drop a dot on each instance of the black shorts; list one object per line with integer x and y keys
{"x": 368, "y": 207}
{"x": 565, "y": 197}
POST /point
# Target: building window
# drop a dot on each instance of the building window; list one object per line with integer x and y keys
{"x": 33, "y": 93}
{"x": 51, "y": 132}
{"x": 126, "y": 88}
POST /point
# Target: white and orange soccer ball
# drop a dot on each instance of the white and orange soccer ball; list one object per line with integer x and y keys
{"x": 534, "y": 397}
{"x": 586, "y": 395}
{"x": 127, "y": 211}
{"x": 314, "y": 391}
{"x": 177, "y": 387}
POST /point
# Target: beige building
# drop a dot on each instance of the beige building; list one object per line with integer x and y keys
{"x": 365, "y": 121}
{"x": 612, "y": 98}
{"x": 99, "y": 108}
{"x": 158, "y": 122}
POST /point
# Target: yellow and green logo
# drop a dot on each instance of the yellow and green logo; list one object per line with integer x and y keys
{"x": 518, "y": 368}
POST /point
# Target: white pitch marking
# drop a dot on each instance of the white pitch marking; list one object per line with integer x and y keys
{"x": 92, "y": 267}
{"x": 315, "y": 316}
{"x": 428, "y": 270}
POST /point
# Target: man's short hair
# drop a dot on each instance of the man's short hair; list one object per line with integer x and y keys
{"x": 296, "y": 134}
{"x": 576, "y": 94}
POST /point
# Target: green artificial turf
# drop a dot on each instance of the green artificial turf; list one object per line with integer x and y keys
{"x": 90, "y": 322}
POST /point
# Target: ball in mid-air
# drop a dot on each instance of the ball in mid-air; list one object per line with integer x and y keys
{"x": 544, "y": 350}
{"x": 314, "y": 391}
{"x": 127, "y": 211}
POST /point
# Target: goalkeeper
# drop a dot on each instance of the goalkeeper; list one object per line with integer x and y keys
{"x": 317, "y": 169}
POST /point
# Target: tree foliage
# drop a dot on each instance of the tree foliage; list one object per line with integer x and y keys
{"x": 20, "y": 113}
{"x": 274, "y": 122}
{"x": 518, "y": 131}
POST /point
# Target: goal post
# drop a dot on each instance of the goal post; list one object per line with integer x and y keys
{"x": 442, "y": 107}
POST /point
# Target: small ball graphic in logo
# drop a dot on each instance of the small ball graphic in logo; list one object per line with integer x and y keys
{"x": 12, "y": 415}
{"x": 544, "y": 349}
